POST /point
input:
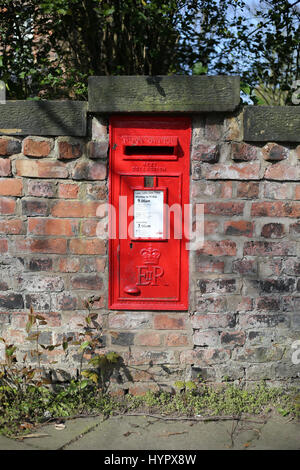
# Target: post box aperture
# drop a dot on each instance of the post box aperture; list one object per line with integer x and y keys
{"x": 148, "y": 223}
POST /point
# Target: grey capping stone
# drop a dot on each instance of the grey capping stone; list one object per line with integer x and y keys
{"x": 174, "y": 93}
{"x": 43, "y": 118}
{"x": 272, "y": 123}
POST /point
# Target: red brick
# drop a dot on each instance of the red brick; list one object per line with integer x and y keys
{"x": 68, "y": 191}
{"x": 7, "y": 206}
{"x": 88, "y": 247}
{"x": 45, "y": 226}
{"x": 176, "y": 340}
{"x": 276, "y": 209}
{"x": 218, "y": 248}
{"x": 297, "y": 191}
{"x": 165, "y": 322}
{"x": 75, "y": 208}
{"x": 37, "y": 147}
{"x": 282, "y": 171}
{"x": 9, "y": 146}
{"x": 11, "y": 187}
{"x": 11, "y": 226}
{"x": 142, "y": 389}
{"x": 5, "y": 167}
{"x": 224, "y": 208}
{"x": 68, "y": 149}
{"x": 239, "y": 227}
{"x": 209, "y": 265}
{"x": 206, "y": 152}
{"x": 41, "y": 169}
{"x": 3, "y": 245}
{"x": 56, "y": 246}
{"x": 89, "y": 170}
{"x": 148, "y": 339}
{"x": 226, "y": 190}
{"x": 239, "y": 171}
{"x": 69, "y": 265}
{"x": 248, "y": 190}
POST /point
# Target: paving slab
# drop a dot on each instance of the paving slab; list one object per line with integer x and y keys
{"x": 142, "y": 433}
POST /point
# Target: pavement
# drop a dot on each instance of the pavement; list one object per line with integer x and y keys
{"x": 144, "y": 433}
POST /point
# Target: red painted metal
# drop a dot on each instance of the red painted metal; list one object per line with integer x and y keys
{"x": 149, "y": 172}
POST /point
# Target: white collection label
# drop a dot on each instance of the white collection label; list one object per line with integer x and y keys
{"x": 148, "y": 214}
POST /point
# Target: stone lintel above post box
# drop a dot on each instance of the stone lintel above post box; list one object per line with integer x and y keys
{"x": 165, "y": 94}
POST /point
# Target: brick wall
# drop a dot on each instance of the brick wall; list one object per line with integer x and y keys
{"x": 244, "y": 281}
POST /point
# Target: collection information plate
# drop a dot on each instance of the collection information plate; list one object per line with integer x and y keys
{"x": 148, "y": 214}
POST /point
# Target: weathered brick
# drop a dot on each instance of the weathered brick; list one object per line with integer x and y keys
{"x": 272, "y": 230}
{"x": 218, "y": 248}
{"x": 41, "y": 188}
{"x": 69, "y": 148}
{"x": 148, "y": 339}
{"x": 256, "y": 248}
{"x": 40, "y": 264}
{"x": 206, "y": 338}
{"x": 276, "y": 190}
{"x": 46, "y": 226}
{"x": 68, "y": 191}
{"x": 5, "y": 167}
{"x": 97, "y": 191}
{"x": 127, "y": 320}
{"x": 208, "y": 265}
{"x": 205, "y": 152}
{"x": 176, "y": 340}
{"x": 75, "y": 209}
{"x": 263, "y": 320}
{"x": 122, "y": 338}
{"x": 238, "y": 171}
{"x": 283, "y": 172}
{"x": 243, "y": 152}
{"x": 247, "y": 190}
{"x": 90, "y": 170}
{"x": 9, "y": 145}
{"x": 41, "y": 169}
{"x": 267, "y": 303}
{"x": 204, "y": 322}
{"x": 98, "y": 148}
{"x": 54, "y": 245}
{"x": 65, "y": 301}
{"x": 167, "y": 322}
{"x": 37, "y": 146}
{"x": 239, "y": 228}
{"x": 87, "y": 281}
{"x": 217, "y": 285}
{"x": 274, "y": 152}
{"x": 233, "y": 338}
{"x": 3, "y": 245}
{"x": 11, "y": 187}
{"x": 295, "y": 229}
{"x": 11, "y": 226}
{"x": 223, "y": 208}
{"x": 11, "y": 301}
{"x": 88, "y": 247}
{"x": 37, "y": 283}
{"x": 69, "y": 265}
{"x": 244, "y": 266}
{"x": 277, "y": 285}
{"x": 7, "y": 206}
{"x": 33, "y": 207}
{"x": 39, "y": 302}
{"x": 211, "y": 304}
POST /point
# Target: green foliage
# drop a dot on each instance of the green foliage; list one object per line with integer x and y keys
{"x": 48, "y": 49}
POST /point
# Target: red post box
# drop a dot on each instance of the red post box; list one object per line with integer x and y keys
{"x": 148, "y": 192}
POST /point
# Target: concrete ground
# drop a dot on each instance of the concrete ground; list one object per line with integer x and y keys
{"x": 131, "y": 433}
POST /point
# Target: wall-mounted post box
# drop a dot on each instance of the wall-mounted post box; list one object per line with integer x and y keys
{"x": 148, "y": 190}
